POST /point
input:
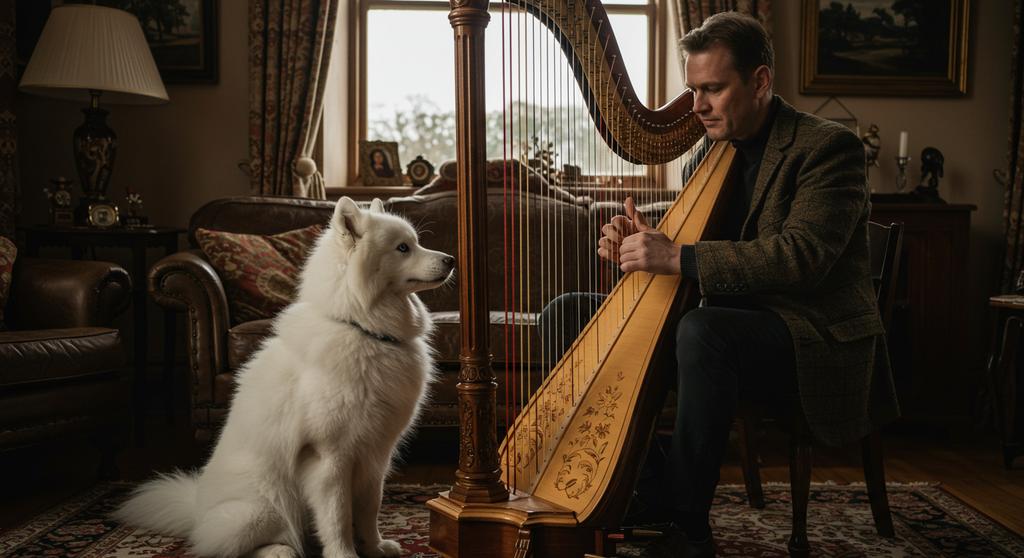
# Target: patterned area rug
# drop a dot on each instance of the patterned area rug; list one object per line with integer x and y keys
{"x": 928, "y": 520}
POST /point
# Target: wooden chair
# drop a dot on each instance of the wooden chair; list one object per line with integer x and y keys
{"x": 886, "y": 245}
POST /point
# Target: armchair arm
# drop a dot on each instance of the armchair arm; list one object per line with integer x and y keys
{"x": 49, "y": 293}
{"x": 186, "y": 282}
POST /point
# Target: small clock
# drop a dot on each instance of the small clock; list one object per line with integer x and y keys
{"x": 420, "y": 171}
{"x": 102, "y": 214}
{"x": 62, "y": 198}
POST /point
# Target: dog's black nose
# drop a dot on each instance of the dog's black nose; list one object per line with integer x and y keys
{"x": 449, "y": 261}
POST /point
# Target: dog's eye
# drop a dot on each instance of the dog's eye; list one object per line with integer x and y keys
{"x": 403, "y": 247}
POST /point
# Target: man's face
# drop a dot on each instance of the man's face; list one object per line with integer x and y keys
{"x": 726, "y": 105}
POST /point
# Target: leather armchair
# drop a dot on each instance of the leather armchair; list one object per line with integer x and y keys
{"x": 60, "y": 361}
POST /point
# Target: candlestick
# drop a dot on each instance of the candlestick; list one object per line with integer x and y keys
{"x": 901, "y": 177}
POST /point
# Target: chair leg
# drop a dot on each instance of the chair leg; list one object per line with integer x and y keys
{"x": 748, "y": 460}
{"x": 800, "y": 487}
{"x": 874, "y": 477}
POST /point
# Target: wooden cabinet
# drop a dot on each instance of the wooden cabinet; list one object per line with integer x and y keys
{"x": 928, "y": 333}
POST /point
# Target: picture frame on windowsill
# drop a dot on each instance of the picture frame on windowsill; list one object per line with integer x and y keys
{"x": 379, "y": 164}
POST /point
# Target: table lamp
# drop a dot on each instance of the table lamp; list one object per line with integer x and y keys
{"x": 85, "y": 51}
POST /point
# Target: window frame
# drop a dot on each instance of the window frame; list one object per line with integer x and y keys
{"x": 356, "y": 85}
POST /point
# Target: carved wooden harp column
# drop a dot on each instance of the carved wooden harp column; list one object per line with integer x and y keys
{"x": 478, "y": 476}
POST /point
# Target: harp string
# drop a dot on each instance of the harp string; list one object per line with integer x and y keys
{"x": 537, "y": 244}
{"x": 521, "y": 123}
{"x": 542, "y": 135}
{"x": 507, "y": 239}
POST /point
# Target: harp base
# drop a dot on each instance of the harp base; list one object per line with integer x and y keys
{"x": 521, "y": 527}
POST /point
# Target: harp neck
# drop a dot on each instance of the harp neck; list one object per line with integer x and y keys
{"x": 634, "y": 131}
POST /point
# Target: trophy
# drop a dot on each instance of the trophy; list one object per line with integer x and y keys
{"x": 61, "y": 213}
{"x": 135, "y": 218}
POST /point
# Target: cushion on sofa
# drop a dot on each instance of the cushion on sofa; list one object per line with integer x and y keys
{"x": 245, "y": 339}
{"x": 45, "y": 355}
{"x": 7, "y": 253}
{"x": 518, "y": 342}
{"x": 260, "y": 273}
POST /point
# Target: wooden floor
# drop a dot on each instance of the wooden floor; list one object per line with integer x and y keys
{"x": 967, "y": 463}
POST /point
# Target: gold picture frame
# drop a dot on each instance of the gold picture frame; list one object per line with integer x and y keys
{"x": 921, "y": 51}
{"x": 379, "y": 164}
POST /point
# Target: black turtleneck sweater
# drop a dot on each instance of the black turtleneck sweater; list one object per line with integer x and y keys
{"x": 749, "y": 153}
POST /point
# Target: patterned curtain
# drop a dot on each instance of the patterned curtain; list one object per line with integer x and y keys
{"x": 691, "y": 13}
{"x": 8, "y": 123}
{"x": 289, "y": 51}
{"x": 1013, "y": 177}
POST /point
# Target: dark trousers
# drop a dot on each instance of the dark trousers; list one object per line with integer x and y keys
{"x": 721, "y": 353}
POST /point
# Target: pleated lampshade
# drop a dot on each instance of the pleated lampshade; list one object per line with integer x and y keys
{"x": 86, "y": 47}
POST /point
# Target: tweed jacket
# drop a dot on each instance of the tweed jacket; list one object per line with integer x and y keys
{"x": 803, "y": 253}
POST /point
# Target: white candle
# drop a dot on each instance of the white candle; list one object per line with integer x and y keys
{"x": 903, "y": 144}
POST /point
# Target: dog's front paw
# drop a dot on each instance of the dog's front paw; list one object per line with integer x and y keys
{"x": 384, "y": 549}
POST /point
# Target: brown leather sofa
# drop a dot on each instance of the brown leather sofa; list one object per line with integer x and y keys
{"x": 188, "y": 283}
{"x": 61, "y": 364}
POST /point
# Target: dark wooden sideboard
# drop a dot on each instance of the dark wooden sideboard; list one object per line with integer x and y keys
{"x": 928, "y": 333}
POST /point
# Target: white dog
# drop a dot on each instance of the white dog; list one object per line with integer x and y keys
{"x": 319, "y": 409}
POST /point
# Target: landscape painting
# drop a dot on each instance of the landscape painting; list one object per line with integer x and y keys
{"x": 885, "y": 47}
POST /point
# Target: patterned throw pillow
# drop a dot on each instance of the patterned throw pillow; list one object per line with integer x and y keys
{"x": 7, "y": 252}
{"x": 260, "y": 273}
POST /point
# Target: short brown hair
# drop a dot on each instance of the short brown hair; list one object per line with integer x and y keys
{"x": 744, "y": 37}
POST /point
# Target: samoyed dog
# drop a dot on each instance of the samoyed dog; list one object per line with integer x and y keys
{"x": 319, "y": 409}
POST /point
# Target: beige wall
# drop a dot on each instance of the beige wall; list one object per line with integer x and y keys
{"x": 178, "y": 155}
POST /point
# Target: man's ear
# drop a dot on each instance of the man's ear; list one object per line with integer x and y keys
{"x": 348, "y": 218}
{"x": 763, "y": 79}
{"x": 377, "y": 206}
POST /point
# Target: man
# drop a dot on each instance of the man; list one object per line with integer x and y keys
{"x": 792, "y": 308}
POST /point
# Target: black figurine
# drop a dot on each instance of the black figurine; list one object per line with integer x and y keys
{"x": 931, "y": 171}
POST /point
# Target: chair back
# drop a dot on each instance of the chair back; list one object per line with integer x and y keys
{"x": 264, "y": 215}
{"x": 886, "y": 245}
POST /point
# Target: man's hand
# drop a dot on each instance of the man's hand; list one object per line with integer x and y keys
{"x": 629, "y": 241}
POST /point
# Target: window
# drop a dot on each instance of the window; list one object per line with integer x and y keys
{"x": 400, "y": 86}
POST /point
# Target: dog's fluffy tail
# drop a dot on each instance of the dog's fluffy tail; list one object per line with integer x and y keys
{"x": 166, "y": 505}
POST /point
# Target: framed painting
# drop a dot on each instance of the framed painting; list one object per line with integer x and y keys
{"x": 885, "y": 47}
{"x": 182, "y": 34}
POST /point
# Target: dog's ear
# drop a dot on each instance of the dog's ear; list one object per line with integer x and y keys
{"x": 348, "y": 218}
{"x": 377, "y": 206}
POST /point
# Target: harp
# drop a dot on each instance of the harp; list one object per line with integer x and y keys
{"x": 563, "y": 475}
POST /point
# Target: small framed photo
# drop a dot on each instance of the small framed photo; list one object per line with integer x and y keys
{"x": 378, "y": 163}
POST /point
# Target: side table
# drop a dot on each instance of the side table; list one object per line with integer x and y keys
{"x": 138, "y": 239}
{"x": 1005, "y": 379}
